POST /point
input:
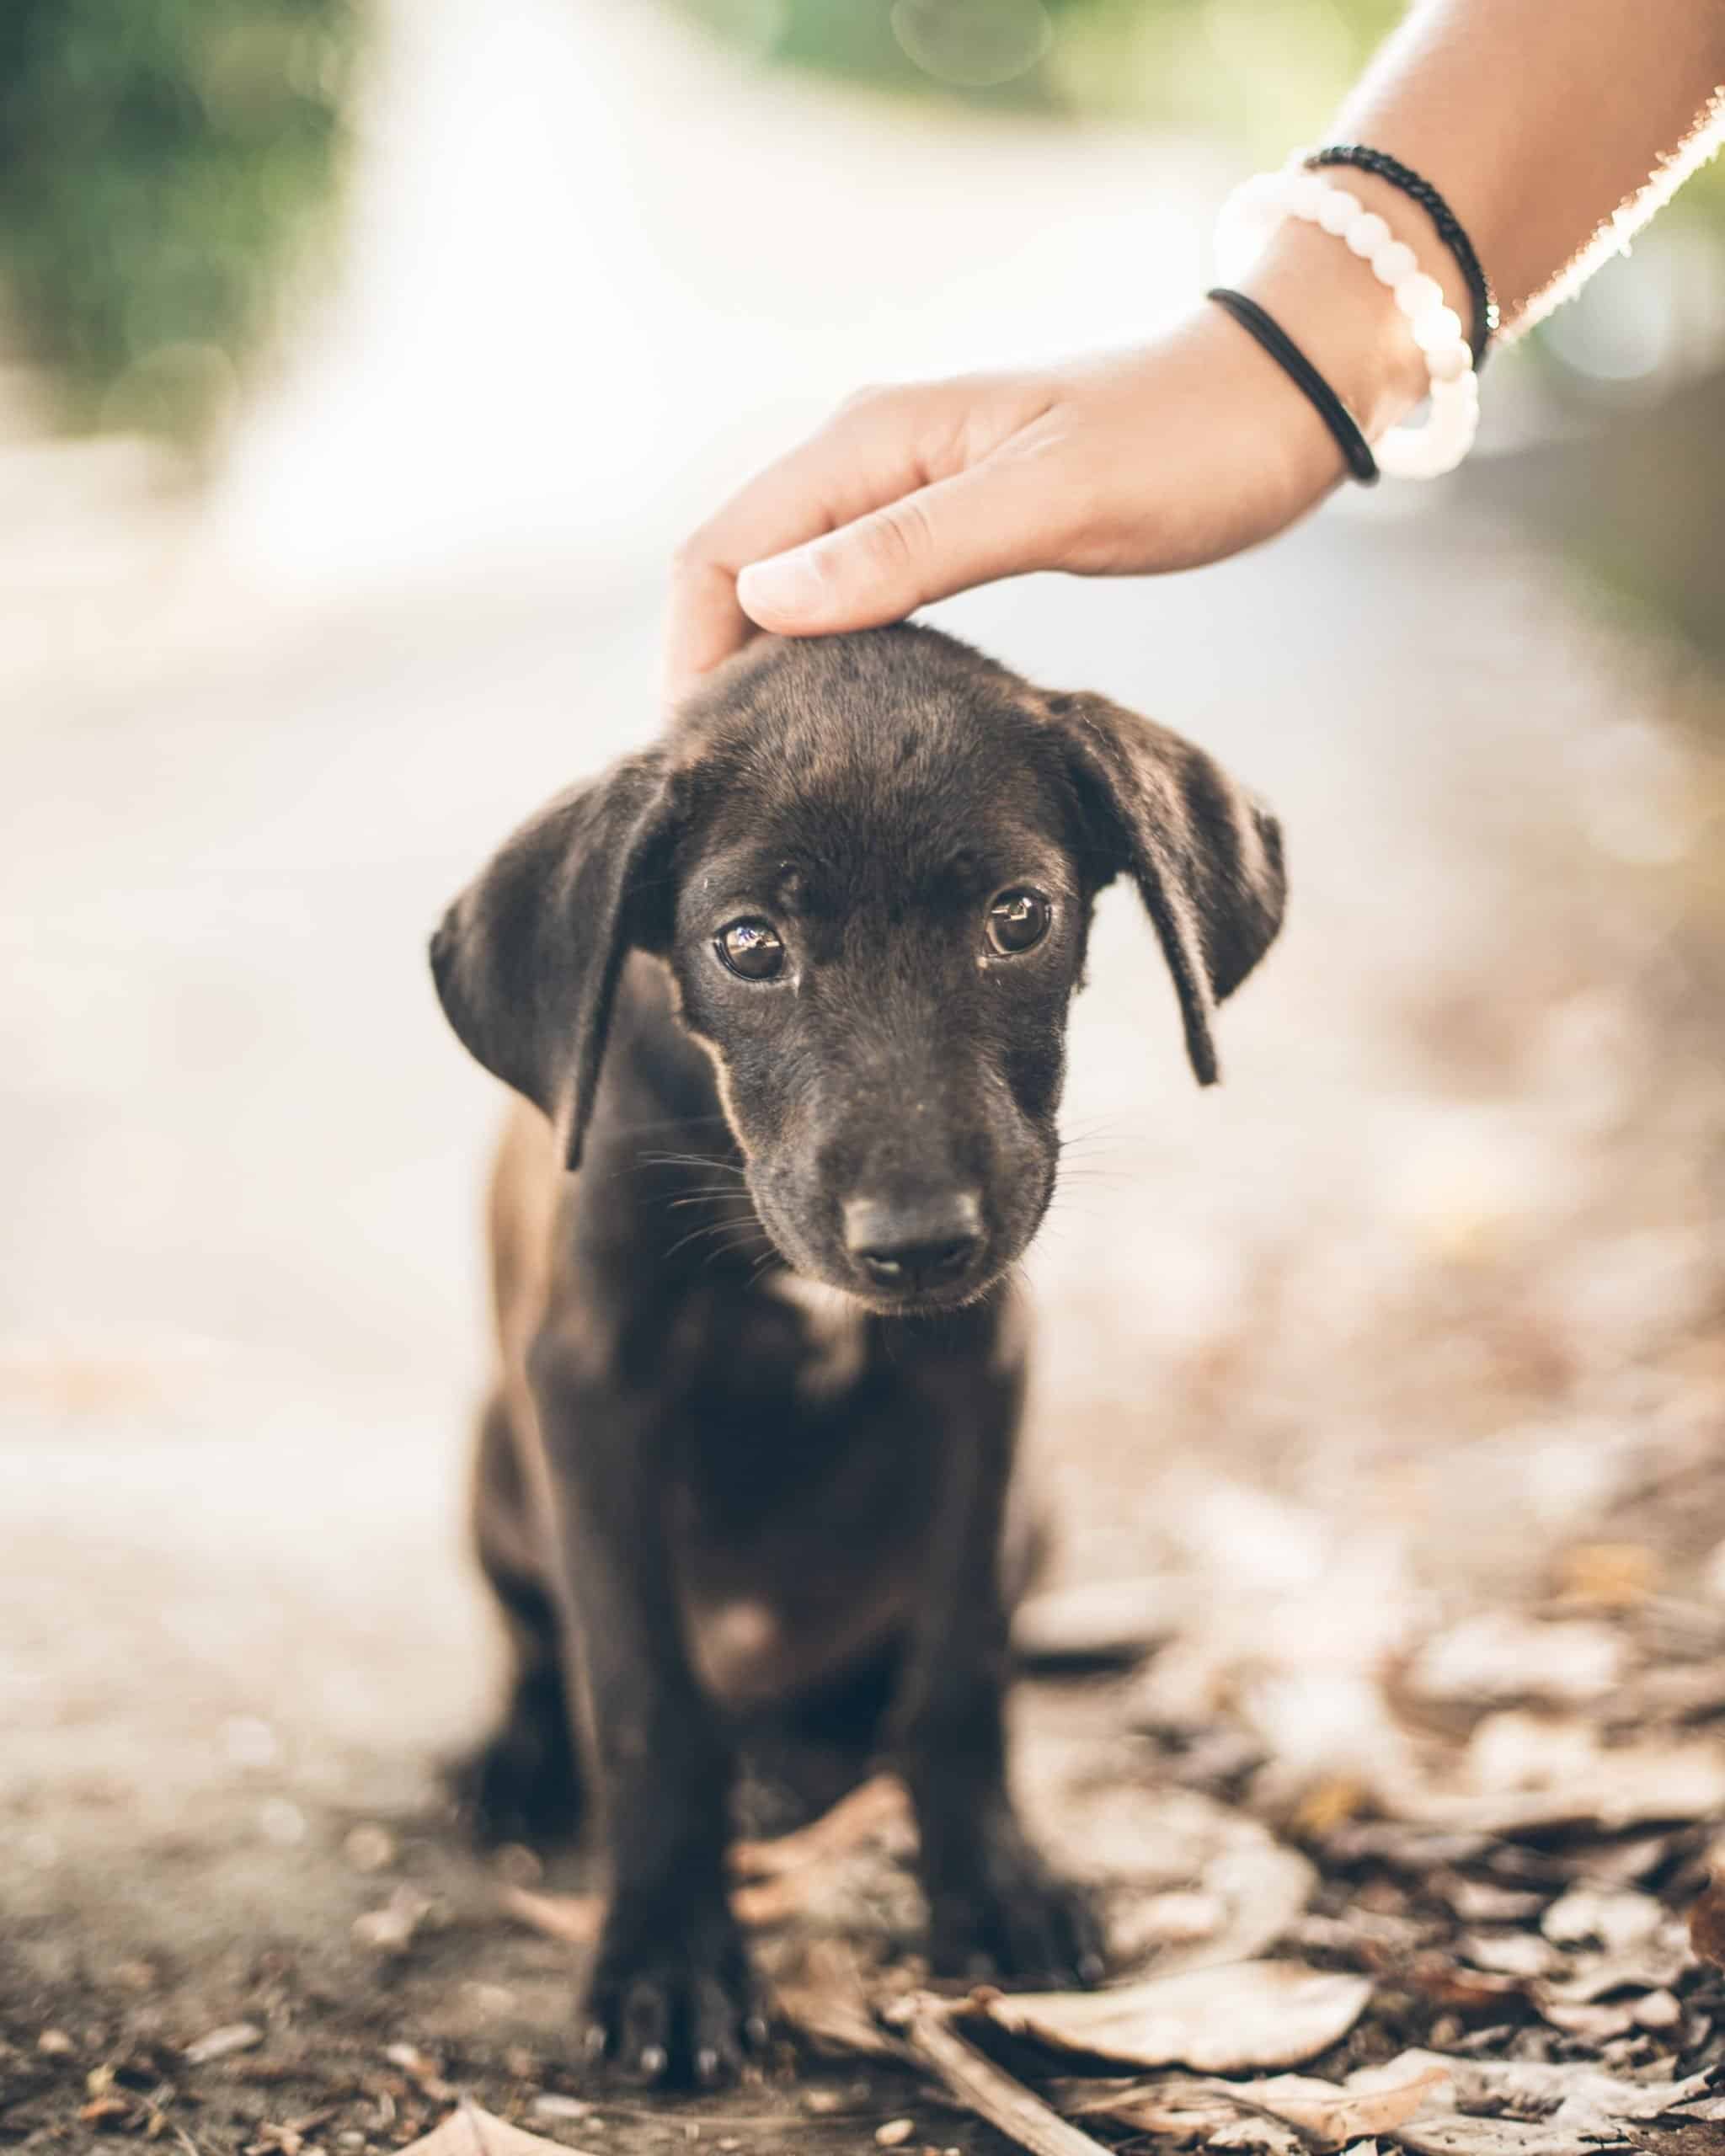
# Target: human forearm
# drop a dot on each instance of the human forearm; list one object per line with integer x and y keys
{"x": 1552, "y": 127}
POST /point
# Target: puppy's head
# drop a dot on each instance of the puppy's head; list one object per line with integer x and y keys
{"x": 869, "y": 861}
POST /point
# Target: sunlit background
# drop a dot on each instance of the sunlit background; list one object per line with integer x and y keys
{"x": 364, "y": 361}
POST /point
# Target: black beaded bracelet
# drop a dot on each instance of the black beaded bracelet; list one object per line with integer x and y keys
{"x": 1449, "y": 227}
{"x": 1293, "y": 363}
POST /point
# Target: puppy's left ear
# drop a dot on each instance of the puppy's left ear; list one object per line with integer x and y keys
{"x": 1206, "y": 857}
{"x": 527, "y": 959}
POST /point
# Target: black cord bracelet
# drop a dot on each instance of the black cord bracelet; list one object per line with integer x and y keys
{"x": 1449, "y": 227}
{"x": 1293, "y": 363}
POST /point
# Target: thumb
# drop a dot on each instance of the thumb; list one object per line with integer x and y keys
{"x": 991, "y": 521}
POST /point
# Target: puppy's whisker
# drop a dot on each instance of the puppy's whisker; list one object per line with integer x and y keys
{"x": 736, "y": 1249}
{"x": 741, "y": 1229}
{"x": 715, "y": 1163}
{"x": 662, "y": 1123}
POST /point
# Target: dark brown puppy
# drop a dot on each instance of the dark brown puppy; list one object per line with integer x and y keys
{"x": 790, "y": 988}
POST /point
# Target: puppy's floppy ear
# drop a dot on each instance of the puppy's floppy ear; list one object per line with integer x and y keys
{"x": 527, "y": 959}
{"x": 1207, "y": 859}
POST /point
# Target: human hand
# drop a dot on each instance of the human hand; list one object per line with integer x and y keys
{"x": 1162, "y": 457}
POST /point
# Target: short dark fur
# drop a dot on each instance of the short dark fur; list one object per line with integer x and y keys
{"x": 702, "y": 1510}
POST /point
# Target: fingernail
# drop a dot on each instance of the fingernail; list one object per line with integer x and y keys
{"x": 786, "y": 585}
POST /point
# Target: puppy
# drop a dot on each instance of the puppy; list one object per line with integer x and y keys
{"x": 789, "y": 991}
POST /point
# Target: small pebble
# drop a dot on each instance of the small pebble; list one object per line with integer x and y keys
{"x": 391, "y": 1929}
{"x": 370, "y": 1848}
{"x": 895, "y": 2131}
{"x": 54, "y": 2043}
{"x": 1659, "y": 2009}
{"x": 551, "y": 2105}
{"x": 224, "y": 2042}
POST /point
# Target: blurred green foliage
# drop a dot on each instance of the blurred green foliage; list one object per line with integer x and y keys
{"x": 163, "y": 165}
{"x": 1250, "y": 67}
{"x": 1263, "y": 74}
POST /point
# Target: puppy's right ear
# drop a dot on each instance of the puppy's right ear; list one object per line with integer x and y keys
{"x": 527, "y": 959}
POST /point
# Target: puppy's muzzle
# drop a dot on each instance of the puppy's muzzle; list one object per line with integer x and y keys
{"x": 910, "y": 1246}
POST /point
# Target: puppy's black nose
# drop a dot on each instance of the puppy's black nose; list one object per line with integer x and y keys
{"x": 922, "y": 1242}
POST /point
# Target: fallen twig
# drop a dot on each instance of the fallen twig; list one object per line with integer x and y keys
{"x": 927, "y": 2023}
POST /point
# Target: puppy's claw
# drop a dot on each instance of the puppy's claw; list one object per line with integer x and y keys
{"x": 682, "y": 2011}
{"x": 1013, "y": 1918}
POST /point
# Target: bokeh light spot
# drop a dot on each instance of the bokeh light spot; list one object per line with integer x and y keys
{"x": 973, "y": 44}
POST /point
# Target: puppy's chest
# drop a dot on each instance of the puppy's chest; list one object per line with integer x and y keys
{"x": 800, "y": 1497}
{"x": 788, "y": 1399}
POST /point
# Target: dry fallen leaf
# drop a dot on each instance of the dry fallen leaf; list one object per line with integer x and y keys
{"x": 1615, "y": 1917}
{"x": 825, "y": 2000}
{"x": 1520, "y": 2107}
{"x": 1610, "y": 1575}
{"x": 1499, "y": 1655}
{"x": 1521, "y": 1954}
{"x": 1264, "y": 1887}
{"x": 574, "y": 1918}
{"x": 1706, "y": 1925}
{"x": 1327, "y": 2115}
{"x": 774, "y": 1886}
{"x": 877, "y": 1811}
{"x": 469, "y": 2132}
{"x": 1220, "y": 2020}
{"x": 1528, "y": 1772}
{"x": 1103, "y": 1624}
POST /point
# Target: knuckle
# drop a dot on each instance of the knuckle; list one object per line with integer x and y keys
{"x": 901, "y": 535}
{"x": 865, "y": 401}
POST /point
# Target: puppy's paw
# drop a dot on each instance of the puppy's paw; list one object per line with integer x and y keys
{"x": 1008, "y": 1915}
{"x": 681, "y": 2009}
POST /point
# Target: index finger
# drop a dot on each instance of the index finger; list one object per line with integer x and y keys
{"x": 871, "y": 451}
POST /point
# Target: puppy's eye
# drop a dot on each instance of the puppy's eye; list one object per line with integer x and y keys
{"x": 1018, "y": 920}
{"x": 751, "y": 948}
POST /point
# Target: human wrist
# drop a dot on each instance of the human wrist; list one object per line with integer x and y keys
{"x": 1342, "y": 318}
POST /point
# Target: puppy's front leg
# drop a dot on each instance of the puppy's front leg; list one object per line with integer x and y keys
{"x": 994, "y": 1905}
{"x": 671, "y": 1997}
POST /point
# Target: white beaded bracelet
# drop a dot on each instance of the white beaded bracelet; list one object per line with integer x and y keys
{"x": 1253, "y": 213}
